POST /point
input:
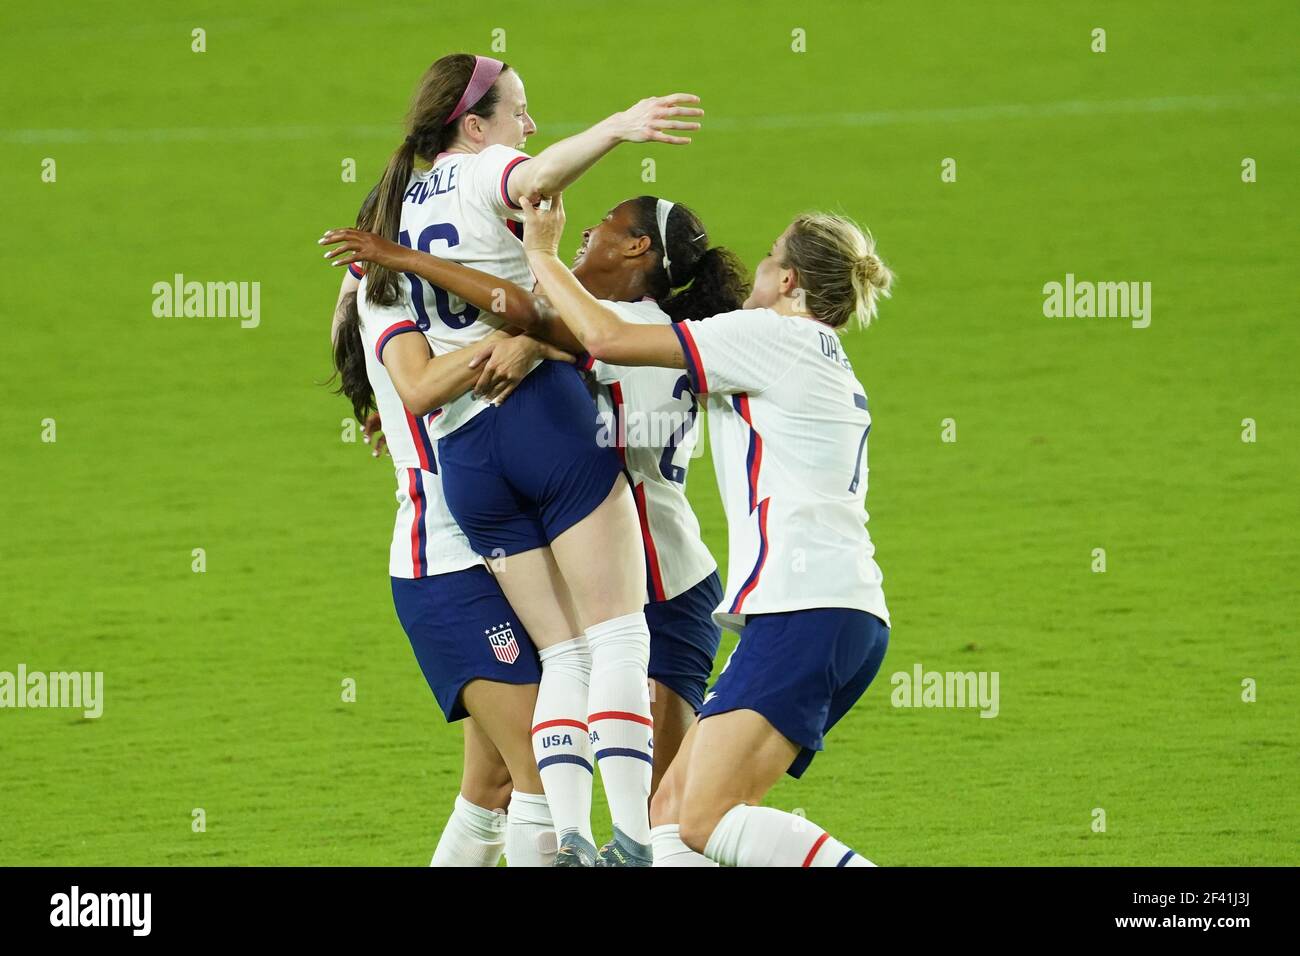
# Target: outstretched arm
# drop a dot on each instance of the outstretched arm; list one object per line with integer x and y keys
{"x": 560, "y": 164}
{"x": 519, "y": 308}
{"x": 598, "y": 328}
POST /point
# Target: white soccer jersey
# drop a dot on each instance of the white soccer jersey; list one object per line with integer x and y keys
{"x": 788, "y": 426}
{"x": 459, "y": 210}
{"x": 650, "y": 413}
{"x": 426, "y": 539}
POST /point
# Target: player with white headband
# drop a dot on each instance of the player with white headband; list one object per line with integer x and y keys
{"x": 528, "y": 483}
{"x": 788, "y": 425}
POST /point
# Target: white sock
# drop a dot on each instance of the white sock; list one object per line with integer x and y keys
{"x": 472, "y": 837}
{"x": 765, "y": 836}
{"x": 560, "y": 742}
{"x": 671, "y": 851}
{"x": 530, "y": 834}
{"x": 619, "y": 716}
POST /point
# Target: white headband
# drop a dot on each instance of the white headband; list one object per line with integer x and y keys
{"x": 662, "y": 208}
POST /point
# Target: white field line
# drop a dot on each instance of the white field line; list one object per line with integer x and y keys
{"x": 956, "y": 114}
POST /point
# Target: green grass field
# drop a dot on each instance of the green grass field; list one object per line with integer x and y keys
{"x": 1119, "y": 690}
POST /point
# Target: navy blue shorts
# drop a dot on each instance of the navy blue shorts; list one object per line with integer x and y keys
{"x": 518, "y": 476}
{"x": 684, "y": 640}
{"x": 462, "y": 628}
{"x": 802, "y": 670}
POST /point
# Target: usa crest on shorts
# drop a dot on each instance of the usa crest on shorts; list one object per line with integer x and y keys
{"x": 502, "y": 640}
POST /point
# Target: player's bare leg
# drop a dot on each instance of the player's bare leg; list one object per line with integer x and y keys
{"x": 735, "y": 760}
{"x": 474, "y": 834}
{"x": 560, "y": 746}
{"x": 672, "y": 717}
{"x": 603, "y": 562}
{"x": 505, "y": 714}
{"x": 665, "y": 809}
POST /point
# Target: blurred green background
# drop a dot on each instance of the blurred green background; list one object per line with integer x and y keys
{"x": 1120, "y": 691}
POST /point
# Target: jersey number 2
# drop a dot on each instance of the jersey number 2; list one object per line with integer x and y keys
{"x": 666, "y": 467}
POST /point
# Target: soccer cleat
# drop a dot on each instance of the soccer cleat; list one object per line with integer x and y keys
{"x": 624, "y": 851}
{"x": 574, "y": 851}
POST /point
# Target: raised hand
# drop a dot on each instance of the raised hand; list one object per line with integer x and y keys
{"x": 543, "y": 224}
{"x": 646, "y": 121}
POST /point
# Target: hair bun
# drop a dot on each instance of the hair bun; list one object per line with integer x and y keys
{"x": 874, "y": 271}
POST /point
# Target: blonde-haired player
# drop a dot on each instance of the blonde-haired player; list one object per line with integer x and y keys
{"x": 788, "y": 425}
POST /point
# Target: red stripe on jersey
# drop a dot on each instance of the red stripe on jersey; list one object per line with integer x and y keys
{"x": 620, "y": 715}
{"x": 752, "y": 581}
{"x": 420, "y": 441}
{"x": 651, "y": 553}
{"x": 356, "y": 270}
{"x": 754, "y": 459}
{"x": 397, "y": 328}
{"x": 505, "y": 178}
{"x": 560, "y": 722}
{"x": 692, "y": 354}
{"x": 807, "y": 861}
{"x": 417, "y": 499}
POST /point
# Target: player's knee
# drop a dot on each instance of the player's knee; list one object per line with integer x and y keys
{"x": 697, "y": 820}
{"x": 664, "y": 802}
{"x": 488, "y": 787}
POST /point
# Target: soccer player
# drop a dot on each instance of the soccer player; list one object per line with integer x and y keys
{"x": 474, "y": 653}
{"x": 788, "y": 425}
{"x": 527, "y": 482}
{"x": 651, "y": 261}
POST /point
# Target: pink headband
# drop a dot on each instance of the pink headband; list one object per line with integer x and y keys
{"x": 486, "y": 71}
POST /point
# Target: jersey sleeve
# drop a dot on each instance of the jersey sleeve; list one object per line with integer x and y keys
{"x": 492, "y": 168}
{"x": 743, "y": 351}
{"x": 380, "y": 324}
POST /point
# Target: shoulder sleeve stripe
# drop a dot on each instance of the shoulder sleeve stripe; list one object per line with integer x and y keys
{"x": 397, "y": 329}
{"x": 356, "y": 270}
{"x": 694, "y": 367}
{"x": 505, "y": 178}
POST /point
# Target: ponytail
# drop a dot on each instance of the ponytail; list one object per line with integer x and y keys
{"x": 350, "y": 360}
{"x": 384, "y": 218}
{"x": 718, "y": 283}
{"x": 705, "y": 280}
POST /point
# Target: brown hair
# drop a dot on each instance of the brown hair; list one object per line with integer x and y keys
{"x": 427, "y": 135}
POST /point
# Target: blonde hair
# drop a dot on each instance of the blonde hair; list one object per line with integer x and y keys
{"x": 840, "y": 273}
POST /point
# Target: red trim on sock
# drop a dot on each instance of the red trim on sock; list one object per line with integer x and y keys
{"x": 560, "y": 722}
{"x": 620, "y": 715}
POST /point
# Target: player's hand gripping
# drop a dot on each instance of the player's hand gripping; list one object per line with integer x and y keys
{"x": 506, "y": 362}
{"x": 543, "y": 224}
